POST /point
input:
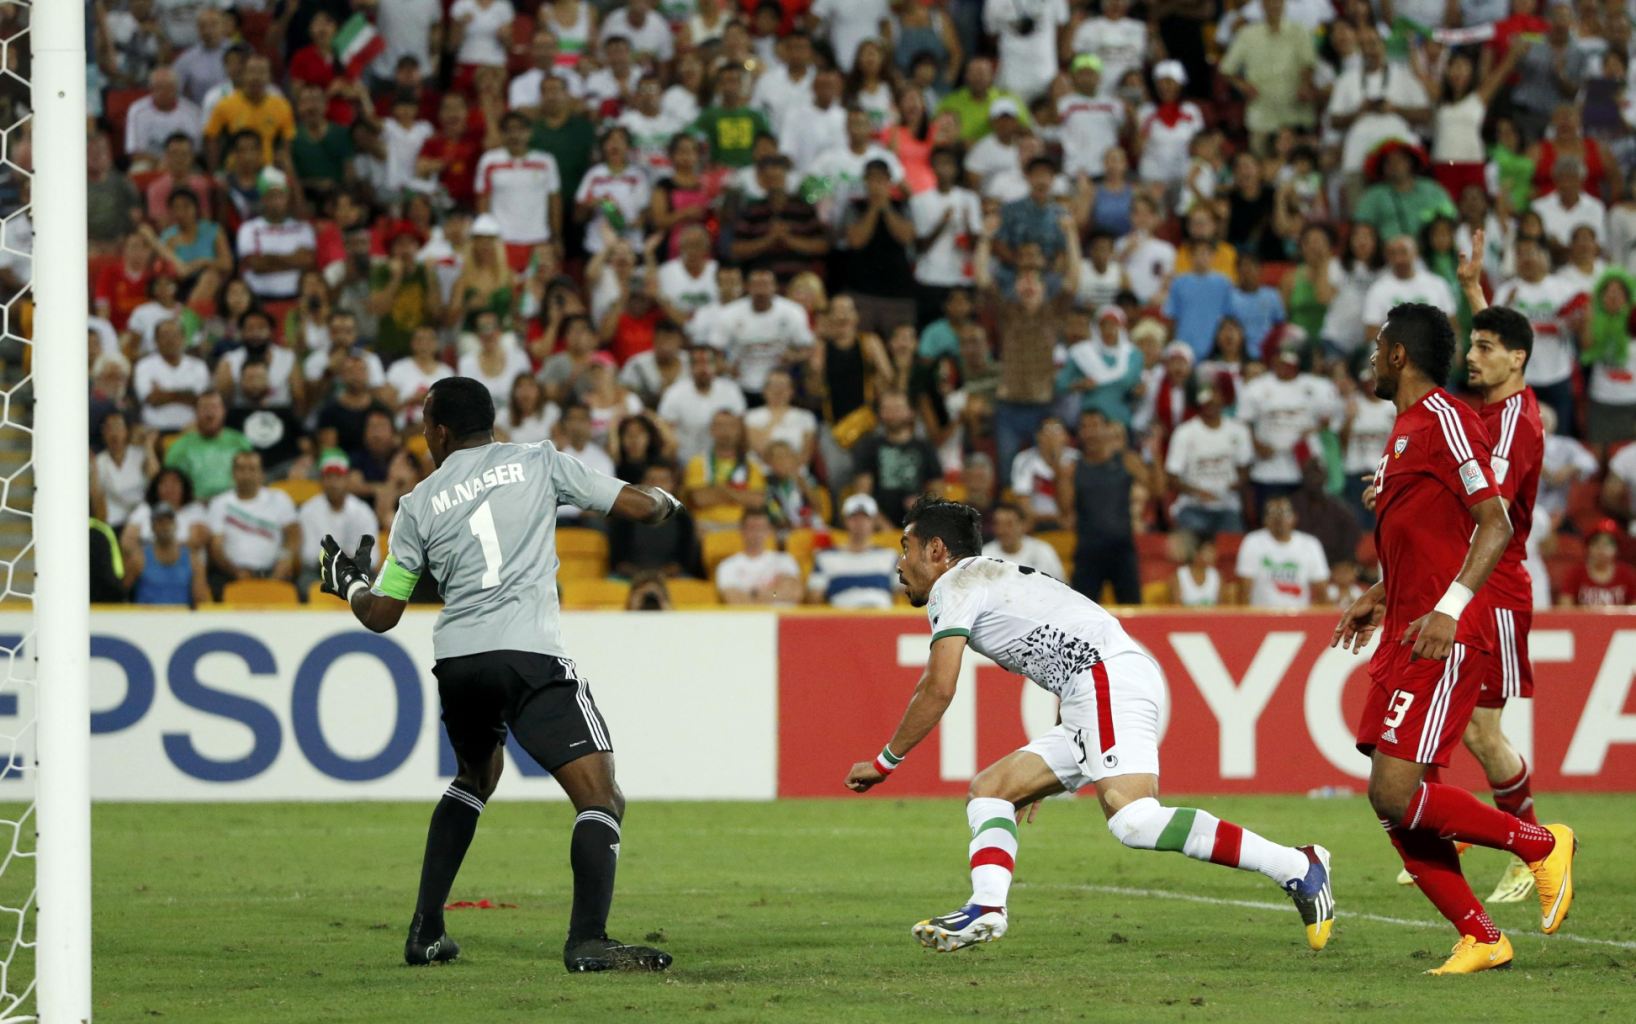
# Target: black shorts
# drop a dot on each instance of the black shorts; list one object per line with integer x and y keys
{"x": 541, "y": 698}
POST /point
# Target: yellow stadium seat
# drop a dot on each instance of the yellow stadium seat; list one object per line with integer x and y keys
{"x": 594, "y": 594}
{"x": 954, "y": 490}
{"x": 581, "y": 541}
{"x": 318, "y": 599}
{"x": 582, "y": 569}
{"x": 1157, "y": 592}
{"x": 1062, "y": 542}
{"x": 718, "y": 544}
{"x": 825, "y": 505}
{"x": 692, "y": 593}
{"x": 300, "y": 491}
{"x": 801, "y": 545}
{"x": 887, "y": 539}
{"x": 249, "y": 592}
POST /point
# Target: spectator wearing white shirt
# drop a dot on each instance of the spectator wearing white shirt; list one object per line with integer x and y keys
{"x": 404, "y": 135}
{"x": 759, "y": 574}
{"x": 1012, "y": 543}
{"x": 254, "y": 530}
{"x": 412, "y": 376}
{"x": 1147, "y": 259}
{"x": 1091, "y": 122}
{"x": 1280, "y": 563}
{"x": 275, "y": 248}
{"x": 947, "y": 220}
{"x": 168, "y": 381}
{"x": 523, "y": 93}
{"x": 650, "y": 35}
{"x": 1365, "y": 426}
{"x": 522, "y": 189}
{"x": 286, "y": 387}
{"x": 613, "y": 196}
{"x": 154, "y": 118}
{"x": 1027, "y": 31}
{"x": 1120, "y": 40}
{"x": 334, "y": 512}
{"x": 1405, "y": 279}
{"x": 761, "y": 332}
{"x": 1034, "y": 471}
{"x": 1198, "y": 583}
{"x": 690, "y": 404}
{"x": 856, "y": 574}
{"x": 482, "y": 32}
{"x": 616, "y": 80}
{"x": 997, "y": 152}
{"x": 409, "y": 28}
{"x": 1542, "y": 297}
{"x": 1165, "y": 129}
{"x": 1284, "y": 410}
{"x": 494, "y": 362}
{"x": 1566, "y": 462}
{"x": 849, "y": 22}
{"x": 1375, "y": 101}
{"x": 1207, "y": 464}
{"x": 652, "y": 131}
{"x": 688, "y": 282}
{"x": 650, "y": 374}
{"x": 124, "y": 467}
{"x": 1569, "y": 206}
{"x": 822, "y": 117}
{"x": 788, "y": 84}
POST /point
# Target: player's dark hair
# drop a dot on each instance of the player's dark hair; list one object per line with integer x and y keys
{"x": 1426, "y": 335}
{"x": 462, "y": 405}
{"x": 1510, "y": 326}
{"x": 957, "y": 525}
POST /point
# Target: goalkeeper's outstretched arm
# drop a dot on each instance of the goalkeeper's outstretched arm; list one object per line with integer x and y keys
{"x": 641, "y": 504}
{"x": 347, "y": 577}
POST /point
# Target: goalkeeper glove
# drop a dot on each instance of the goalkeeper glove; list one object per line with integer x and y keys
{"x": 342, "y": 574}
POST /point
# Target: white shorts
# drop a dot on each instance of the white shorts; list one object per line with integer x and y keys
{"x": 1110, "y": 724}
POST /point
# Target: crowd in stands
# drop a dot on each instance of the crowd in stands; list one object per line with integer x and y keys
{"x": 1109, "y": 271}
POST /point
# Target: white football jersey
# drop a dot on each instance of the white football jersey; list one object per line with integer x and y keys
{"x": 1026, "y": 622}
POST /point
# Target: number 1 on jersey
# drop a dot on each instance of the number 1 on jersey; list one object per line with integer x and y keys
{"x": 482, "y": 527}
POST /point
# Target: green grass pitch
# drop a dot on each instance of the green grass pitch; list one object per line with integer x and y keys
{"x": 800, "y": 911}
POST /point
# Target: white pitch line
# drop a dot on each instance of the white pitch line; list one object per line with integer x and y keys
{"x": 1401, "y": 922}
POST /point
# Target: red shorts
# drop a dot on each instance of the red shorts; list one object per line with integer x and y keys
{"x": 518, "y": 256}
{"x": 1513, "y": 673}
{"x": 1417, "y": 710}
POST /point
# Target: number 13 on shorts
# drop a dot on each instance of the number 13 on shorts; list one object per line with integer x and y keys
{"x": 1397, "y": 708}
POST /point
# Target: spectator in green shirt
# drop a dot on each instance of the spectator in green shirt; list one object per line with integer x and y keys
{"x": 1402, "y": 200}
{"x": 969, "y": 104}
{"x": 321, "y": 148}
{"x": 205, "y": 453}
{"x": 729, "y": 126}
{"x": 567, "y": 136}
{"x": 401, "y": 294}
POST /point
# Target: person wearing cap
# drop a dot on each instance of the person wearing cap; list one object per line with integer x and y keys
{"x": 1285, "y": 410}
{"x": 856, "y": 573}
{"x": 996, "y": 152}
{"x": 1027, "y": 31}
{"x": 1104, "y": 369}
{"x": 1115, "y": 37}
{"x": 254, "y": 106}
{"x": 973, "y": 103}
{"x": 164, "y": 570}
{"x": 1092, "y": 122}
{"x": 1206, "y": 466}
{"x": 1197, "y": 299}
{"x": 1271, "y": 65}
{"x": 1166, "y": 127}
{"x": 274, "y": 248}
{"x": 334, "y": 511}
{"x": 522, "y": 188}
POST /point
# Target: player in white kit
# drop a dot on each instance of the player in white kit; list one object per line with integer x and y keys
{"x": 1112, "y": 698}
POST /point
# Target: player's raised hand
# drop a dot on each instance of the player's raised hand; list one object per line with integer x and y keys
{"x": 1359, "y": 622}
{"x": 338, "y": 572}
{"x": 1470, "y": 271}
{"x": 1433, "y": 636}
{"x": 863, "y": 776}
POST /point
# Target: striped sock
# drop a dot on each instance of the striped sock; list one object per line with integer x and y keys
{"x": 993, "y": 849}
{"x": 454, "y": 822}
{"x": 1516, "y": 795}
{"x": 1147, "y": 824}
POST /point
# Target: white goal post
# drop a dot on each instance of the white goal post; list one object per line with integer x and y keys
{"x": 61, "y": 510}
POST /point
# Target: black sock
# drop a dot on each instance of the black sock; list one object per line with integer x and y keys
{"x": 454, "y": 821}
{"x": 594, "y": 854}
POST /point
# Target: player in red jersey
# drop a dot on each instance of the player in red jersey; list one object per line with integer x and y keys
{"x": 1433, "y": 481}
{"x": 1502, "y": 340}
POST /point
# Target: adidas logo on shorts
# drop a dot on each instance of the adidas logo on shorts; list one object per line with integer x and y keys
{"x": 1389, "y": 736}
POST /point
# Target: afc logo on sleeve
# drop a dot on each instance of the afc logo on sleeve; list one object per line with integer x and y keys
{"x": 1471, "y": 476}
{"x": 1399, "y": 446}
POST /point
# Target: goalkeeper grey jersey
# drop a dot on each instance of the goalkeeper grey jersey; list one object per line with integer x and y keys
{"x": 485, "y": 525}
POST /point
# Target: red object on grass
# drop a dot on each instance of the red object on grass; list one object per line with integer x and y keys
{"x": 479, "y": 905}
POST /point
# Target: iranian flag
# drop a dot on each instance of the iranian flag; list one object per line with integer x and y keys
{"x": 357, "y": 44}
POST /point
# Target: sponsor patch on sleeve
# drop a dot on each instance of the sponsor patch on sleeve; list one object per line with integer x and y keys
{"x": 1501, "y": 468}
{"x": 1471, "y": 475}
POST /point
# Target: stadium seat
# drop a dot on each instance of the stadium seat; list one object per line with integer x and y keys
{"x": 692, "y": 593}
{"x": 259, "y": 592}
{"x": 595, "y": 595}
{"x": 1227, "y": 547}
{"x": 1062, "y": 542}
{"x": 580, "y": 569}
{"x": 584, "y": 552}
{"x": 826, "y": 505}
{"x": 300, "y": 491}
{"x": 802, "y": 545}
{"x": 887, "y": 539}
{"x": 718, "y": 544}
{"x": 1158, "y": 592}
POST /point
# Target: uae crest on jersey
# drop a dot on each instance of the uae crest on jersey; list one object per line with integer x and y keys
{"x": 1399, "y": 445}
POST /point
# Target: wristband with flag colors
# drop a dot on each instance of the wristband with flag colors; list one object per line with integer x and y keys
{"x": 887, "y": 762}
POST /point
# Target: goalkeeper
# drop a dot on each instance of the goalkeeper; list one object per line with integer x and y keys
{"x": 484, "y": 525}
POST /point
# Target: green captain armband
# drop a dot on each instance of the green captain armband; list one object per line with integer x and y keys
{"x": 395, "y": 581}
{"x": 951, "y": 631}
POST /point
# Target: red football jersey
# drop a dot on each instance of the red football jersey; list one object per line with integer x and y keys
{"x": 1435, "y": 468}
{"x": 1518, "y": 440}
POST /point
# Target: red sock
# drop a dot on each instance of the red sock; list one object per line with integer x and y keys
{"x": 1453, "y": 813}
{"x": 1516, "y": 795}
{"x": 1436, "y": 870}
